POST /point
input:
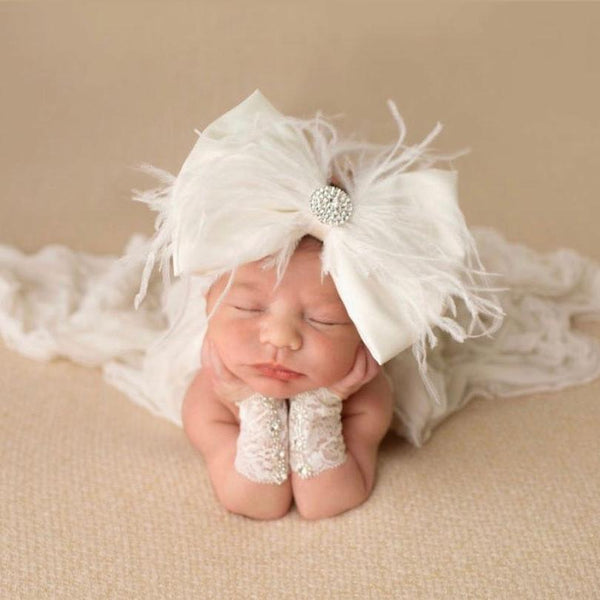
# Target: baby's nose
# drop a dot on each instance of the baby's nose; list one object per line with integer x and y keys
{"x": 281, "y": 333}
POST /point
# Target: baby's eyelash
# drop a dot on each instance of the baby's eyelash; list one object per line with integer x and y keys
{"x": 325, "y": 322}
{"x": 312, "y": 320}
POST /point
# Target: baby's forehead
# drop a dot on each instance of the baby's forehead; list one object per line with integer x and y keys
{"x": 261, "y": 278}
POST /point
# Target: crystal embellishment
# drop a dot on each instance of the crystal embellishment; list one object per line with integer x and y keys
{"x": 315, "y": 432}
{"x": 331, "y": 205}
{"x": 262, "y": 447}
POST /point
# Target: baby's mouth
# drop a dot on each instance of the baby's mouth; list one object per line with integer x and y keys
{"x": 277, "y": 371}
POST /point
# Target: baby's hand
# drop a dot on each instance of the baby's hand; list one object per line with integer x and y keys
{"x": 364, "y": 369}
{"x": 225, "y": 383}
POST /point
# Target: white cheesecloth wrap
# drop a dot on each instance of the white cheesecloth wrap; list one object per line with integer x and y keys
{"x": 61, "y": 303}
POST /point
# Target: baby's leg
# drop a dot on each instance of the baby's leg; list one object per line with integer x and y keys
{"x": 365, "y": 420}
{"x": 214, "y": 431}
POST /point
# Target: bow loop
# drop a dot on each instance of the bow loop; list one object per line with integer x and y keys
{"x": 394, "y": 240}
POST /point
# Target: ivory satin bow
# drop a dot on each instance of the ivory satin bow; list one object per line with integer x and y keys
{"x": 244, "y": 192}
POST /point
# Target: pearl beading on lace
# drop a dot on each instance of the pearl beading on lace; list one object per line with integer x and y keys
{"x": 331, "y": 205}
{"x": 263, "y": 442}
{"x": 315, "y": 431}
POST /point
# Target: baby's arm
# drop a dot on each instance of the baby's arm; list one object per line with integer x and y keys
{"x": 213, "y": 429}
{"x": 366, "y": 416}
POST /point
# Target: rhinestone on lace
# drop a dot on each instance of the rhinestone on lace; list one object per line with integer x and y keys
{"x": 299, "y": 423}
{"x": 331, "y": 205}
{"x": 279, "y": 449}
{"x": 305, "y": 471}
{"x": 315, "y": 429}
{"x": 262, "y": 446}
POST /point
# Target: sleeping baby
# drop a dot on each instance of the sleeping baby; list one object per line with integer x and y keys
{"x": 306, "y": 263}
{"x": 286, "y": 380}
{"x": 323, "y": 259}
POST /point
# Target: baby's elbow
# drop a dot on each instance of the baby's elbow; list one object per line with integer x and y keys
{"x": 265, "y": 511}
{"x": 259, "y": 515}
{"x": 315, "y": 509}
{"x": 317, "y": 513}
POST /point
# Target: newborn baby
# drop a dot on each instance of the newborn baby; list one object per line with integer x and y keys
{"x": 286, "y": 379}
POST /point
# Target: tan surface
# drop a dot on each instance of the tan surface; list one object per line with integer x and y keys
{"x": 102, "y": 500}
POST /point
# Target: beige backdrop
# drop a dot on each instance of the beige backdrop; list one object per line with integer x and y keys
{"x": 102, "y": 500}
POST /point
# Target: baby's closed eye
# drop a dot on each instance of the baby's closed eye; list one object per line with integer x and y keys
{"x": 318, "y": 319}
{"x": 328, "y": 320}
{"x": 248, "y": 308}
{"x": 324, "y": 322}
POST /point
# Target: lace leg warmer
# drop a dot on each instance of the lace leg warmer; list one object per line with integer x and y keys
{"x": 315, "y": 430}
{"x": 262, "y": 445}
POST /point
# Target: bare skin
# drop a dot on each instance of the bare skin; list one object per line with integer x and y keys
{"x": 303, "y": 326}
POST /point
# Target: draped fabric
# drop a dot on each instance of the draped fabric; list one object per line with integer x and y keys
{"x": 59, "y": 303}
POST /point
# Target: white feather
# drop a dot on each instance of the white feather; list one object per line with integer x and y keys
{"x": 244, "y": 195}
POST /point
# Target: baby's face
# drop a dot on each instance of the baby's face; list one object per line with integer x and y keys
{"x": 301, "y": 326}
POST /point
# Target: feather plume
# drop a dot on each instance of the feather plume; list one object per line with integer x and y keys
{"x": 399, "y": 263}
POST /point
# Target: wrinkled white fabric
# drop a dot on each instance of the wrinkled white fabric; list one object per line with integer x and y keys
{"x": 315, "y": 430}
{"x": 61, "y": 303}
{"x": 262, "y": 451}
{"x": 537, "y": 349}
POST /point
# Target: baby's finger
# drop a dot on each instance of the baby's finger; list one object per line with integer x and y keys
{"x": 205, "y": 357}
{"x": 216, "y": 362}
{"x": 373, "y": 366}
{"x": 359, "y": 368}
{"x": 222, "y": 372}
{"x": 364, "y": 359}
{"x": 372, "y": 363}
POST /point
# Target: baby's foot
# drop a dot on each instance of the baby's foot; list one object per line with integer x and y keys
{"x": 262, "y": 445}
{"x": 315, "y": 425}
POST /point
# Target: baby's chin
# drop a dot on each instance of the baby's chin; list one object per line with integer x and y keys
{"x": 275, "y": 388}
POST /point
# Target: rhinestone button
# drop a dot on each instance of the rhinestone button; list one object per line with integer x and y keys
{"x": 331, "y": 205}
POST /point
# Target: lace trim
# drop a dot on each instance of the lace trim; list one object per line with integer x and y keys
{"x": 315, "y": 430}
{"x": 263, "y": 442}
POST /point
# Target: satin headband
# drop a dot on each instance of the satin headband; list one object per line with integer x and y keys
{"x": 394, "y": 239}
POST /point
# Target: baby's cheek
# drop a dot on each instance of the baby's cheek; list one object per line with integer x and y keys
{"x": 238, "y": 341}
{"x": 335, "y": 358}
